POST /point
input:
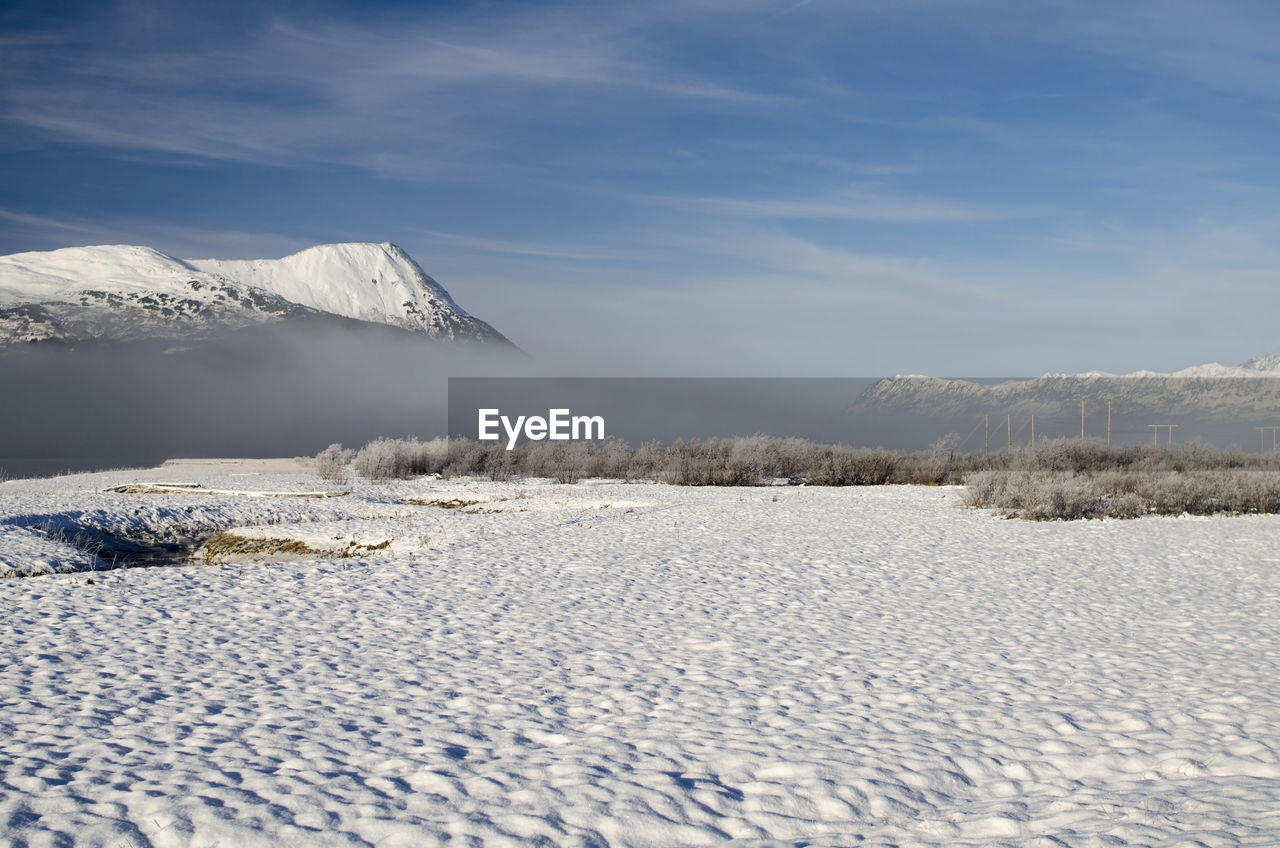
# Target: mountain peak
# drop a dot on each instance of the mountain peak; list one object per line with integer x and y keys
{"x": 361, "y": 280}
{"x": 138, "y": 291}
{"x": 1267, "y": 362}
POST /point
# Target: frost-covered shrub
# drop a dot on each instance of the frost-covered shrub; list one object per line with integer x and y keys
{"x": 839, "y": 465}
{"x": 464, "y": 458}
{"x": 1038, "y": 495}
{"x": 1057, "y": 479}
{"x": 610, "y": 459}
{"x": 571, "y": 461}
{"x": 935, "y": 466}
{"x": 740, "y": 462}
{"x": 565, "y": 462}
{"x": 499, "y": 465}
{"x": 1096, "y": 457}
{"x": 1127, "y": 505}
{"x": 377, "y": 460}
{"x": 1066, "y": 497}
{"x": 1206, "y": 493}
{"x": 830, "y": 465}
{"x": 331, "y": 463}
{"x": 646, "y": 462}
{"x": 386, "y": 459}
{"x": 1047, "y": 495}
{"x": 1082, "y": 456}
{"x": 687, "y": 464}
{"x": 749, "y": 460}
{"x": 984, "y": 489}
{"x": 713, "y": 462}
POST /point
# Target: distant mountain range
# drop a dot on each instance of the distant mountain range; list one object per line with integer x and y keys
{"x": 126, "y": 293}
{"x": 1214, "y": 403}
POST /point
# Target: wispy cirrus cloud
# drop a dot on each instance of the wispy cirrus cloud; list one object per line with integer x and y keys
{"x": 936, "y": 171}
{"x": 537, "y": 250}
{"x": 354, "y": 92}
{"x": 856, "y": 204}
{"x": 1226, "y": 45}
{"x": 24, "y": 231}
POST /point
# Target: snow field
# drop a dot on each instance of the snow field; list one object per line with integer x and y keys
{"x": 684, "y": 666}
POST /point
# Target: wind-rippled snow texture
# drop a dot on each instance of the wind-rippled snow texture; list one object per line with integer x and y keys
{"x": 777, "y": 666}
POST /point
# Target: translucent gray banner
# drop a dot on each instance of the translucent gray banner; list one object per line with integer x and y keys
{"x": 974, "y": 415}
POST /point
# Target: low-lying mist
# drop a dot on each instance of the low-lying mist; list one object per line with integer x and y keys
{"x": 292, "y": 388}
{"x": 284, "y": 389}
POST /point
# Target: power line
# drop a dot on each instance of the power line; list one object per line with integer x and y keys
{"x": 1107, "y": 400}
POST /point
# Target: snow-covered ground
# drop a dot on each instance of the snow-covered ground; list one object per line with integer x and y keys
{"x": 613, "y": 664}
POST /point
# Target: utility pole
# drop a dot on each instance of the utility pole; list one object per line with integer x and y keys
{"x": 1033, "y": 433}
{"x": 1107, "y": 400}
{"x": 1008, "y": 430}
{"x": 986, "y": 448}
{"x": 1155, "y": 433}
{"x": 1262, "y": 448}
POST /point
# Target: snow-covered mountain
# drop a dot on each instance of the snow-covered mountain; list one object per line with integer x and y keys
{"x": 1267, "y": 365}
{"x": 128, "y": 293}
{"x": 1213, "y": 401}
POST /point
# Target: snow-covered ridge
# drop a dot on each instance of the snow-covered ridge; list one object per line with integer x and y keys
{"x": 128, "y": 291}
{"x": 369, "y": 282}
{"x": 1267, "y": 365}
{"x": 1223, "y": 405}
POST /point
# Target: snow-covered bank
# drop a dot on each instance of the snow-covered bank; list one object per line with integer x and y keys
{"x": 612, "y": 664}
{"x": 57, "y": 524}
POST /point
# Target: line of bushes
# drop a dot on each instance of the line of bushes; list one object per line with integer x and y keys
{"x": 1070, "y": 479}
{"x": 739, "y": 461}
{"x": 1062, "y": 479}
{"x": 1049, "y": 495}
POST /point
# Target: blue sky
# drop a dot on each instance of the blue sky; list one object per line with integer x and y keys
{"x": 701, "y": 188}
